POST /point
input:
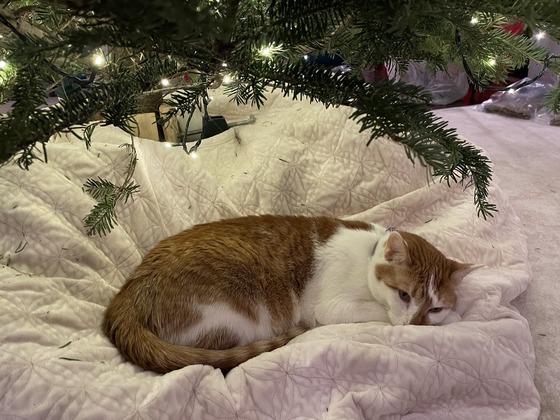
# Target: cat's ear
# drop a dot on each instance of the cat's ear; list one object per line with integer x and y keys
{"x": 460, "y": 270}
{"x": 395, "y": 249}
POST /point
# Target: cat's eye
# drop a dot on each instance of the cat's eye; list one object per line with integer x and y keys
{"x": 435, "y": 310}
{"x": 405, "y": 297}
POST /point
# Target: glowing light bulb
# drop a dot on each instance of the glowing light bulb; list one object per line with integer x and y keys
{"x": 165, "y": 82}
{"x": 474, "y": 21}
{"x": 227, "y": 79}
{"x": 492, "y": 62}
{"x": 98, "y": 60}
{"x": 540, "y": 35}
{"x": 194, "y": 155}
{"x": 224, "y": 64}
{"x": 168, "y": 145}
{"x": 305, "y": 57}
{"x": 270, "y": 50}
{"x": 512, "y": 91}
{"x": 3, "y": 65}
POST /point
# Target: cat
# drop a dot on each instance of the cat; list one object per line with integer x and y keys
{"x": 223, "y": 292}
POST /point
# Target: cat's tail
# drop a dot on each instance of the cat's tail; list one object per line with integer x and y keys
{"x": 142, "y": 347}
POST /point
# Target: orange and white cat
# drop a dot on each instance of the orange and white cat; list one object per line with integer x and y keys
{"x": 223, "y": 292}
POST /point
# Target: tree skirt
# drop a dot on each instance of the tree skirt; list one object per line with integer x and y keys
{"x": 298, "y": 158}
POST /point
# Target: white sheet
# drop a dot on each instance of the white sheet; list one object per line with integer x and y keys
{"x": 298, "y": 158}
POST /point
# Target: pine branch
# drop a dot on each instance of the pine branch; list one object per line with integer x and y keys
{"x": 300, "y": 21}
{"x": 22, "y": 25}
{"x": 132, "y": 161}
{"x": 245, "y": 91}
{"x": 553, "y": 100}
{"x": 507, "y": 50}
{"x": 390, "y": 109}
{"x": 28, "y": 93}
{"x": 184, "y": 101}
{"x": 172, "y": 20}
{"x": 115, "y": 101}
{"x": 99, "y": 189}
{"x": 103, "y": 217}
{"x": 88, "y": 133}
{"x": 201, "y": 35}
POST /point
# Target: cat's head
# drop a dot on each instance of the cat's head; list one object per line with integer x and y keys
{"x": 414, "y": 280}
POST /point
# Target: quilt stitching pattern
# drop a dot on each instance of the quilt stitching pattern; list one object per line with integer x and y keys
{"x": 296, "y": 159}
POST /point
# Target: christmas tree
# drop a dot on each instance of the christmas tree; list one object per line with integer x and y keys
{"x": 105, "y": 57}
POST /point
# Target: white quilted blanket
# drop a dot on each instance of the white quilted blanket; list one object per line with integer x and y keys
{"x": 298, "y": 158}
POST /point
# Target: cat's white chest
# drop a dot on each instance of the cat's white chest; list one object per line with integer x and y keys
{"x": 339, "y": 291}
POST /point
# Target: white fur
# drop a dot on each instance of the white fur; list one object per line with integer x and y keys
{"x": 401, "y": 313}
{"x": 446, "y": 314}
{"x": 222, "y": 315}
{"x": 432, "y": 291}
{"x": 345, "y": 289}
{"x": 339, "y": 291}
{"x": 398, "y": 311}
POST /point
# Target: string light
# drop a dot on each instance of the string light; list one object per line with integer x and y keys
{"x": 98, "y": 60}
{"x": 540, "y": 35}
{"x": 305, "y": 57}
{"x": 224, "y": 64}
{"x": 165, "y": 82}
{"x": 228, "y": 78}
{"x": 3, "y": 65}
{"x": 193, "y": 155}
{"x": 492, "y": 62}
{"x": 480, "y": 84}
{"x": 512, "y": 91}
{"x": 269, "y": 50}
{"x": 474, "y": 21}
